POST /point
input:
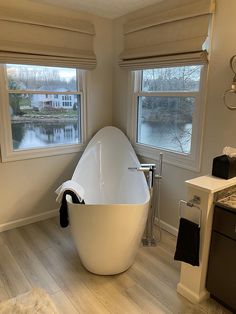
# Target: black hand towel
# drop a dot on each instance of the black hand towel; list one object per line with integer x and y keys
{"x": 188, "y": 241}
{"x": 64, "y": 218}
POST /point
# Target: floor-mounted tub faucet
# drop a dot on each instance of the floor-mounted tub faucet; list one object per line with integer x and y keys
{"x": 150, "y": 170}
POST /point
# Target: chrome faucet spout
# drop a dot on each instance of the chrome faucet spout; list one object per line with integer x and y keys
{"x": 141, "y": 168}
{"x": 147, "y": 168}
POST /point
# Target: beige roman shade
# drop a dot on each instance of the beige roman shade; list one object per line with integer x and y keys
{"x": 27, "y": 38}
{"x": 176, "y": 31}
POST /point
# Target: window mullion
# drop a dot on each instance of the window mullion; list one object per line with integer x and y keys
{"x": 15, "y": 91}
{"x": 167, "y": 94}
{"x": 5, "y": 125}
{"x": 137, "y": 81}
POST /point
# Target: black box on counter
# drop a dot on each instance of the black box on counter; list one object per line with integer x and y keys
{"x": 224, "y": 167}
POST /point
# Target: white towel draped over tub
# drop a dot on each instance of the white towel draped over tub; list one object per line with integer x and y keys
{"x": 71, "y": 186}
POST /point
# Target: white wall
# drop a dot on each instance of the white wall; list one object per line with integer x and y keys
{"x": 27, "y": 187}
{"x": 220, "y": 123}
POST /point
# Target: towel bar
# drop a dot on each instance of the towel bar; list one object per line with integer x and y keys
{"x": 191, "y": 203}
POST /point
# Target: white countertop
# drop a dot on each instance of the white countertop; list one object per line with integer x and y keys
{"x": 211, "y": 184}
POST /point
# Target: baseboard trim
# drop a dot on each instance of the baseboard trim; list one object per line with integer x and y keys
{"x": 165, "y": 226}
{"x": 52, "y": 213}
{"x": 192, "y": 296}
{"x": 25, "y": 221}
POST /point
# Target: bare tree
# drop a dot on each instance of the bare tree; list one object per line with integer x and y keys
{"x": 182, "y": 138}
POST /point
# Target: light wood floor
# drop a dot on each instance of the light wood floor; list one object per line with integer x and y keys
{"x": 42, "y": 254}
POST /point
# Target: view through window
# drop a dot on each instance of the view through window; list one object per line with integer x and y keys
{"x": 44, "y": 106}
{"x": 166, "y": 103}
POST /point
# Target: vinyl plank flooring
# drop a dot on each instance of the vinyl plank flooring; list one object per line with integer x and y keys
{"x": 95, "y": 291}
{"x": 3, "y": 291}
{"x": 66, "y": 231}
{"x": 86, "y": 300}
{"x": 63, "y": 304}
{"x": 45, "y": 238}
{"x": 160, "y": 254}
{"x": 64, "y": 271}
{"x": 146, "y": 301}
{"x": 34, "y": 232}
{"x": 100, "y": 287}
{"x": 32, "y": 268}
{"x": 158, "y": 289}
{"x": 57, "y": 236}
{"x": 11, "y": 276}
{"x": 167, "y": 241}
{"x": 161, "y": 270}
{"x": 43, "y": 254}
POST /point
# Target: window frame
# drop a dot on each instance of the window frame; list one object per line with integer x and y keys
{"x": 7, "y": 152}
{"x": 190, "y": 161}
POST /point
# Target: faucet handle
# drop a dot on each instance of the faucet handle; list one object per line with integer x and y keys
{"x": 150, "y": 166}
{"x": 141, "y": 168}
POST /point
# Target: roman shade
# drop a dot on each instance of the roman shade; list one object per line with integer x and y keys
{"x": 173, "y": 32}
{"x": 27, "y": 38}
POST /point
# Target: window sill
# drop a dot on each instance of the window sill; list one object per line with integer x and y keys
{"x": 8, "y": 155}
{"x": 180, "y": 160}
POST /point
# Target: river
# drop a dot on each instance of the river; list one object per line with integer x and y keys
{"x": 174, "y": 137}
{"x": 38, "y": 134}
{"x": 28, "y": 135}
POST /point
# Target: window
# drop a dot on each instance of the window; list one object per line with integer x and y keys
{"x": 31, "y": 119}
{"x": 168, "y": 112}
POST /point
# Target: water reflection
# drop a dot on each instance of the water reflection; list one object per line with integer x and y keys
{"x": 175, "y": 137}
{"x": 41, "y": 134}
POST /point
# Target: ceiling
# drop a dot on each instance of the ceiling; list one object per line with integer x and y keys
{"x": 105, "y": 8}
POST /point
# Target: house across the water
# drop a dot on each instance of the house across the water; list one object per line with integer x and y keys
{"x": 57, "y": 101}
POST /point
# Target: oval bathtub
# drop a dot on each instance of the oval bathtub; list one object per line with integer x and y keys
{"x": 107, "y": 230}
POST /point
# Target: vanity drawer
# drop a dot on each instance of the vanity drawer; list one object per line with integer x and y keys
{"x": 225, "y": 222}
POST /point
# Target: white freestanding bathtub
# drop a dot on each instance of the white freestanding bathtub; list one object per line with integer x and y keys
{"x": 107, "y": 230}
